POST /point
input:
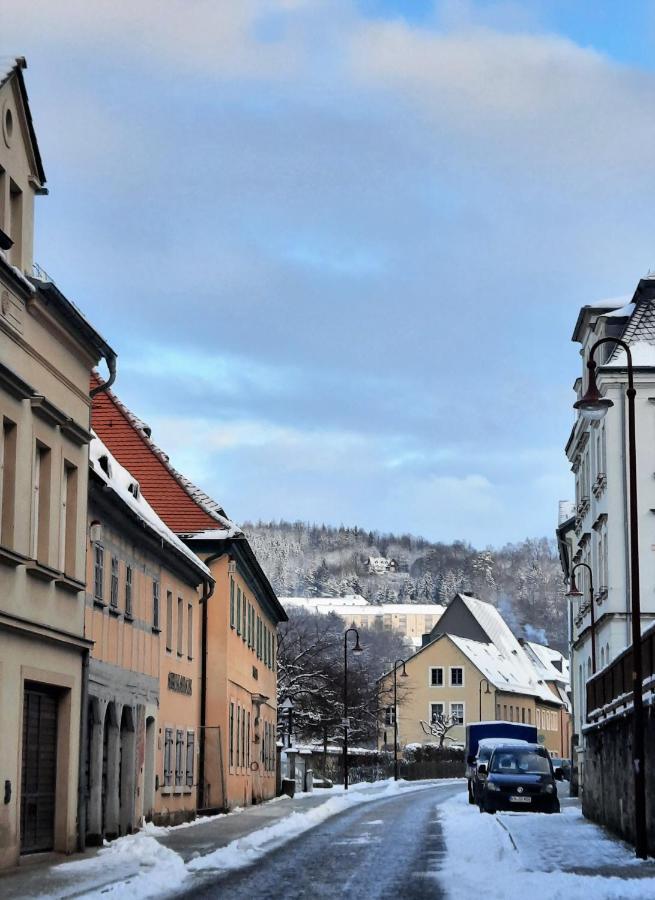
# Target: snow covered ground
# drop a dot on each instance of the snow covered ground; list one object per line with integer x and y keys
{"x": 138, "y": 865}
{"x": 549, "y": 856}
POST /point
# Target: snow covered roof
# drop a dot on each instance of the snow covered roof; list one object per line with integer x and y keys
{"x": 338, "y": 606}
{"x": 347, "y": 600}
{"x": 642, "y": 352}
{"x": 126, "y": 487}
{"x": 550, "y": 664}
{"x": 508, "y": 673}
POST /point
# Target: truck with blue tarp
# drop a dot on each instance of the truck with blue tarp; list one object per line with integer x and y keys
{"x": 478, "y": 731}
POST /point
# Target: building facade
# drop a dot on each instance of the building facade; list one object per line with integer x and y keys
{"x": 238, "y": 683}
{"x": 144, "y": 590}
{"x": 472, "y": 669}
{"x": 47, "y": 351}
{"x": 597, "y": 531}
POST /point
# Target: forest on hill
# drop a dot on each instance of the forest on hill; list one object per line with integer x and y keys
{"x": 523, "y": 580}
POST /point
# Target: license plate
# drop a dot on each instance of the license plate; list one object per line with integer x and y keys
{"x": 521, "y": 799}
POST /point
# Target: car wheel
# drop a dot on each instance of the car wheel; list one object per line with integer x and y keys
{"x": 471, "y": 797}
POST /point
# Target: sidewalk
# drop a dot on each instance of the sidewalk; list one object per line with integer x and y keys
{"x": 158, "y": 861}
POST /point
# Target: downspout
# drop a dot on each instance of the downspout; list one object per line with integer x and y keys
{"x": 208, "y": 591}
{"x": 626, "y": 529}
{"x": 110, "y": 359}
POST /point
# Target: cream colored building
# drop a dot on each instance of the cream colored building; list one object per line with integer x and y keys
{"x": 47, "y": 351}
{"x": 473, "y": 669}
{"x": 412, "y": 620}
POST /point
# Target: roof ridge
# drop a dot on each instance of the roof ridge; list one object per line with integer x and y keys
{"x": 210, "y": 506}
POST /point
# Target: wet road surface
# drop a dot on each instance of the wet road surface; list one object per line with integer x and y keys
{"x": 385, "y": 848}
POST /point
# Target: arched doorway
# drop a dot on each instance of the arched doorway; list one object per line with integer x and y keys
{"x": 126, "y": 773}
{"x": 149, "y": 771}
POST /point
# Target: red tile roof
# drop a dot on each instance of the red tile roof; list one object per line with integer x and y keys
{"x": 182, "y": 506}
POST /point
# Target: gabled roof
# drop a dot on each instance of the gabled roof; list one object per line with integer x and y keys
{"x": 183, "y": 506}
{"x": 549, "y": 663}
{"x": 14, "y": 65}
{"x": 121, "y": 482}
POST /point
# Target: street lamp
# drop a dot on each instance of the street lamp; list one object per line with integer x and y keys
{"x": 574, "y": 592}
{"x": 287, "y": 707}
{"x": 593, "y": 407}
{"x": 403, "y": 674}
{"x": 487, "y": 690}
{"x": 356, "y": 649}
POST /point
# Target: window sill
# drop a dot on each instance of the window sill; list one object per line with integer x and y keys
{"x": 129, "y": 617}
{"x": 179, "y": 655}
{"x": 114, "y": 611}
{"x": 39, "y": 570}
{"x": 156, "y": 630}
{"x": 72, "y": 585}
{"x": 12, "y": 558}
{"x": 166, "y": 789}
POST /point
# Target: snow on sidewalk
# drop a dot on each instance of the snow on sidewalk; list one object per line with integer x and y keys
{"x": 551, "y": 856}
{"x": 138, "y": 865}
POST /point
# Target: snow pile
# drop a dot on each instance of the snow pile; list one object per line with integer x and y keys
{"x": 147, "y": 869}
{"x": 496, "y": 856}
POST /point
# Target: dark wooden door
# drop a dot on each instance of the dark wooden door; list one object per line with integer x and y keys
{"x": 37, "y": 819}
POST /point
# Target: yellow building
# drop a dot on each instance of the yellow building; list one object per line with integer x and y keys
{"x": 47, "y": 351}
{"x": 143, "y": 609}
{"x": 473, "y": 669}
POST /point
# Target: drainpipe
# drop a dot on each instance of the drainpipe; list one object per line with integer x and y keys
{"x": 82, "y": 786}
{"x": 208, "y": 591}
{"x": 101, "y": 388}
{"x": 626, "y": 519}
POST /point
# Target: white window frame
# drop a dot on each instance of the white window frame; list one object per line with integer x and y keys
{"x": 432, "y": 669}
{"x": 450, "y": 677}
{"x": 432, "y": 703}
{"x": 458, "y": 703}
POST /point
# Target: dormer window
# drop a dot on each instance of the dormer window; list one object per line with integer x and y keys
{"x": 103, "y": 462}
{"x": 134, "y": 489}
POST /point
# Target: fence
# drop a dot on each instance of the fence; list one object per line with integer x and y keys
{"x": 375, "y": 765}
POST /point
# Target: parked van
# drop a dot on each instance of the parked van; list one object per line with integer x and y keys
{"x": 477, "y": 731}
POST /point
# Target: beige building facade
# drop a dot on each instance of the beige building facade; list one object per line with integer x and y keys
{"x": 47, "y": 351}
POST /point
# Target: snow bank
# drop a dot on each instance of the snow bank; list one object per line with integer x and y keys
{"x": 496, "y": 857}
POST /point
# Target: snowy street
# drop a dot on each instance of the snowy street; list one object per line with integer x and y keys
{"x": 409, "y": 839}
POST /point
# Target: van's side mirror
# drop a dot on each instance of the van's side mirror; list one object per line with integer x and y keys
{"x": 482, "y": 769}
{"x": 470, "y": 759}
{"x": 559, "y": 773}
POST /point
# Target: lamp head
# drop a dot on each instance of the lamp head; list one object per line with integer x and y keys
{"x": 404, "y": 674}
{"x": 573, "y": 588}
{"x": 357, "y": 648}
{"x": 592, "y": 405}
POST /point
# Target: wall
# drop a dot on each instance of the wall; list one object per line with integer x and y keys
{"x": 608, "y": 795}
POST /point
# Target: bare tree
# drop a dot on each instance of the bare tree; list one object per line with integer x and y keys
{"x": 439, "y": 727}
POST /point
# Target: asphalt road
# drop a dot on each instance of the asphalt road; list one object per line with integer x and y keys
{"x": 385, "y": 848}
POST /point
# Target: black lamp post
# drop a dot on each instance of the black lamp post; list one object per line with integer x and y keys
{"x": 593, "y": 407}
{"x": 574, "y": 592}
{"x": 487, "y": 690}
{"x": 356, "y": 649}
{"x": 403, "y": 674}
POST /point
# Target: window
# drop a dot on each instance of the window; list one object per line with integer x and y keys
{"x": 523, "y": 714}
{"x": 238, "y": 610}
{"x": 189, "y": 631}
{"x": 169, "y": 620}
{"x": 190, "y": 751}
{"x": 41, "y": 504}
{"x": 436, "y": 676}
{"x": 436, "y": 710}
{"x": 68, "y": 526}
{"x": 456, "y": 676}
{"x": 389, "y": 715}
{"x": 511, "y": 713}
{"x": 128, "y": 591}
{"x": 231, "y": 735}
{"x": 8, "y": 482}
{"x": 180, "y": 626}
{"x": 243, "y": 737}
{"x": 113, "y": 591}
{"x": 248, "y": 743}
{"x": 99, "y": 572}
{"x": 245, "y": 615}
{"x": 155, "y": 605}
{"x": 168, "y": 757}
{"x": 231, "y": 602}
{"x": 259, "y": 638}
{"x": 179, "y": 753}
{"x": 457, "y": 712}
{"x": 529, "y": 716}
{"x": 505, "y": 711}
{"x": 237, "y": 736}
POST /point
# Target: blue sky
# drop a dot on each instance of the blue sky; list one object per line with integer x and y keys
{"x": 340, "y": 245}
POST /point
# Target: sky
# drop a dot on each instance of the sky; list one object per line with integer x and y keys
{"x": 340, "y": 245}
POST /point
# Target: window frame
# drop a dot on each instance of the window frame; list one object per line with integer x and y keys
{"x": 432, "y": 703}
{"x": 431, "y": 671}
{"x": 114, "y": 582}
{"x": 99, "y": 573}
{"x": 190, "y": 758}
{"x": 128, "y": 591}
{"x": 461, "y": 703}
{"x": 156, "y": 618}
{"x": 451, "y": 670}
